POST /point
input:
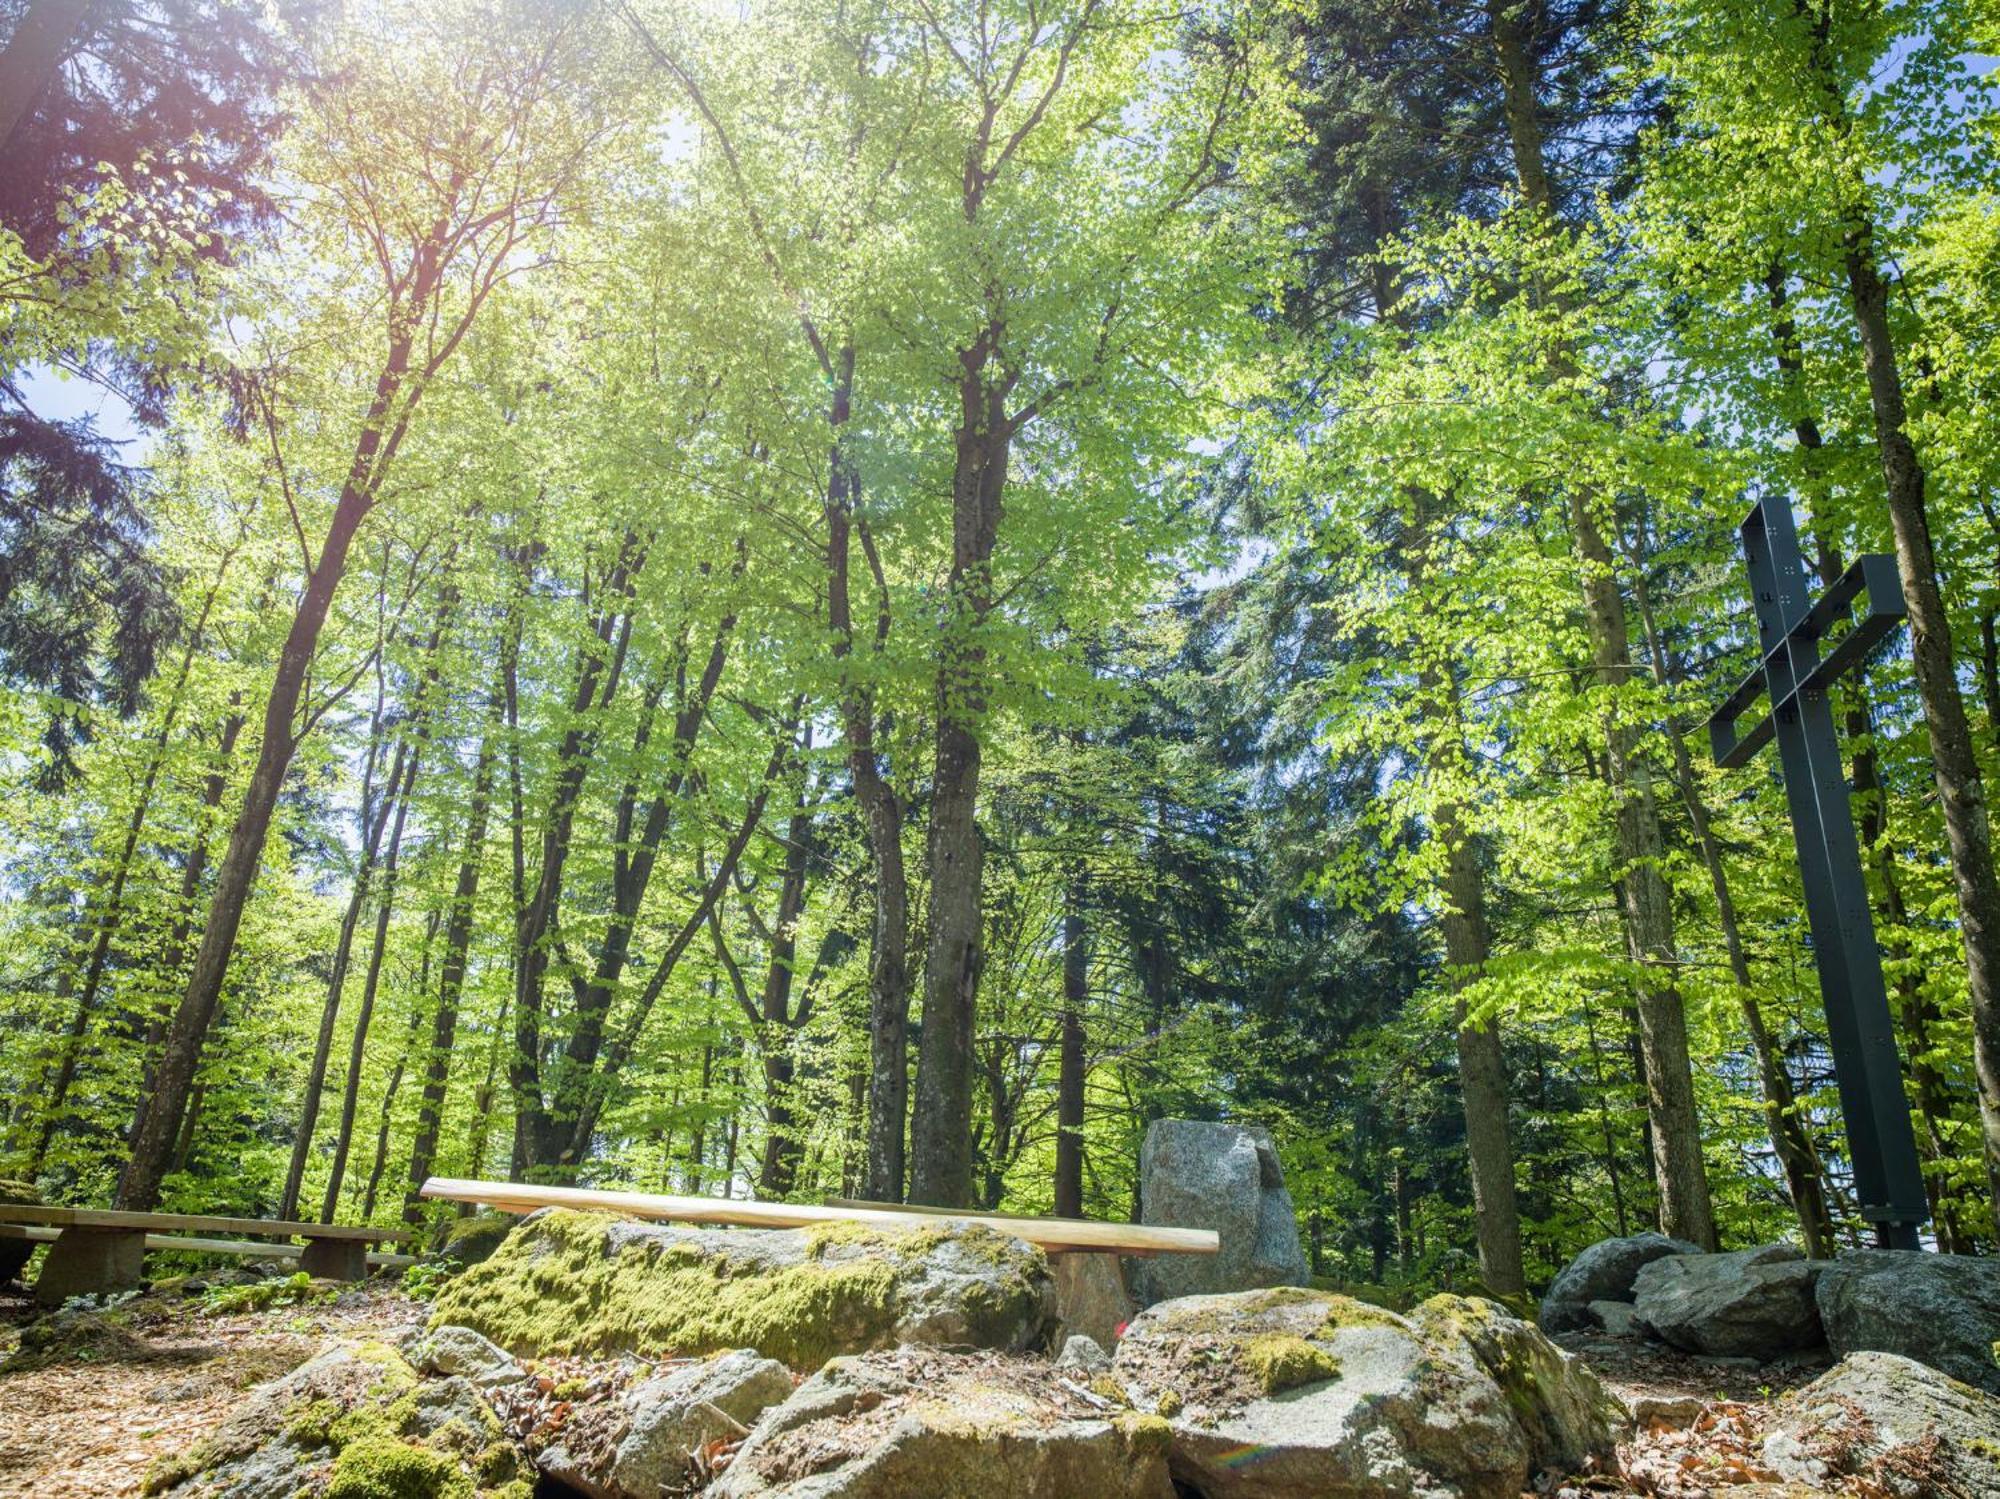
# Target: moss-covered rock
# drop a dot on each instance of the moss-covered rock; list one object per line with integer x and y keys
{"x": 78, "y": 1338}
{"x": 919, "y": 1421}
{"x": 471, "y": 1240}
{"x": 567, "y": 1282}
{"x": 355, "y": 1422}
{"x": 1567, "y": 1416}
{"x": 1879, "y": 1423}
{"x": 1339, "y": 1397}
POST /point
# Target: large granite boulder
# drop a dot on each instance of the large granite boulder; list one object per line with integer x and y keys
{"x": 1879, "y": 1423}
{"x": 1603, "y": 1272}
{"x": 637, "y": 1447}
{"x": 355, "y": 1422}
{"x": 1751, "y": 1302}
{"x": 1940, "y": 1309}
{"x": 1225, "y": 1177}
{"x": 1332, "y": 1396}
{"x": 922, "y": 1422}
{"x": 566, "y": 1282}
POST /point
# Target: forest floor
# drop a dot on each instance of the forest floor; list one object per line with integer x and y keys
{"x": 93, "y": 1427}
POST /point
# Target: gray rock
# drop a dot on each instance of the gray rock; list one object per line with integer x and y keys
{"x": 1082, "y": 1356}
{"x": 460, "y": 1350}
{"x": 1603, "y": 1272}
{"x": 1750, "y": 1303}
{"x": 1940, "y": 1309}
{"x": 1618, "y": 1319}
{"x": 1901, "y": 1426}
{"x": 640, "y": 1448}
{"x": 1225, "y": 1177}
{"x": 1091, "y": 1298}
{"x": 566, "y": 1282}
{"x": 1567, "y": 1416}
{"x": 1336, "y": 1397}
{"x": 287, "y": 1436}
{"x": 919, "y": 1422}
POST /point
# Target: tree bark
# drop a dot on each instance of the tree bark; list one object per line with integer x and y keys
{"x": 152, "y": 1145}
{"x": 385, "y": 906}
{"x": 375, "y": 821}
{"x": 451, "y": 984}
{"x": 881, "y": 813}
{"x": 778, "y": 1173}
{"x": 1961, "y": 791}
{"x": 108, "y": 913}
{"x": 941, "y": 1130}
{"x": 1070, "y": 1063}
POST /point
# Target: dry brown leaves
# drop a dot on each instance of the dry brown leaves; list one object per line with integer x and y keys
{"x": 91, "y": 1430}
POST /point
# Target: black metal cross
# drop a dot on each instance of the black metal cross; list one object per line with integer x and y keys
{"x": 1790, "y": 627}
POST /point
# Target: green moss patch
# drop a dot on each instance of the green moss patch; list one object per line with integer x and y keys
{"x": 357, "y": 1423}
{"x": 384, "y": 1468}
{"x": 1279, "y": 1361}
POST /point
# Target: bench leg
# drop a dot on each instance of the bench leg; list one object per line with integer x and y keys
{"x": 335, "y": 1259}
{"x": 85, "y": 1261}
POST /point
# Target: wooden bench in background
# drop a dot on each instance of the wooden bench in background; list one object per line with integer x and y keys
{"x": 96, "y": 1250}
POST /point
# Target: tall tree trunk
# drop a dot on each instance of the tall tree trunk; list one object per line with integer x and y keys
{"x": 396, "y": 1075}
{"x": 375, "y": 448}
{"x": 1070, "y": 1062}
{"x": 1961, "y": 791}
{"x": 1482, "y": 1072}
{"x": 153, "y": 1141}
{"x": 385, "y": 906}
{"x": 1682, "y": 1177}
{"x": 941, "y": 1129}
{"x": 107, "y": 912}
{"x": 778, "y": 1173}
{"x": 451, "y": 984}
{"x": 881, "y": 813}
{"x": 599, "y": 670}
{"x": 375, "y": 821}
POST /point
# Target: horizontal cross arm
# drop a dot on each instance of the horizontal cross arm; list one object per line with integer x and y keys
{"x": 1873, "y": 576}
{"x": 1731, "y": 752}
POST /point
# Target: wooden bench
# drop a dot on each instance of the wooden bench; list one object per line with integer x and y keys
{"x": 95, "y": 1250}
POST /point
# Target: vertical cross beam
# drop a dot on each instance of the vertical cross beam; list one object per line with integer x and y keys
{"x": 1887, "y": 1177}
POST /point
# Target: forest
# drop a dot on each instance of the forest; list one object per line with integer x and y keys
{"x": 859, "y": 598}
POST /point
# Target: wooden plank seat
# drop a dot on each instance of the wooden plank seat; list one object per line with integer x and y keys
{"x": 1054, "y": 1235}
{"x": 247, "y": 1249}
{"x": 96, "y": 1250}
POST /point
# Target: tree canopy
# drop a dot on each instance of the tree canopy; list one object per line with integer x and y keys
{"x": 858, "y": 600}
